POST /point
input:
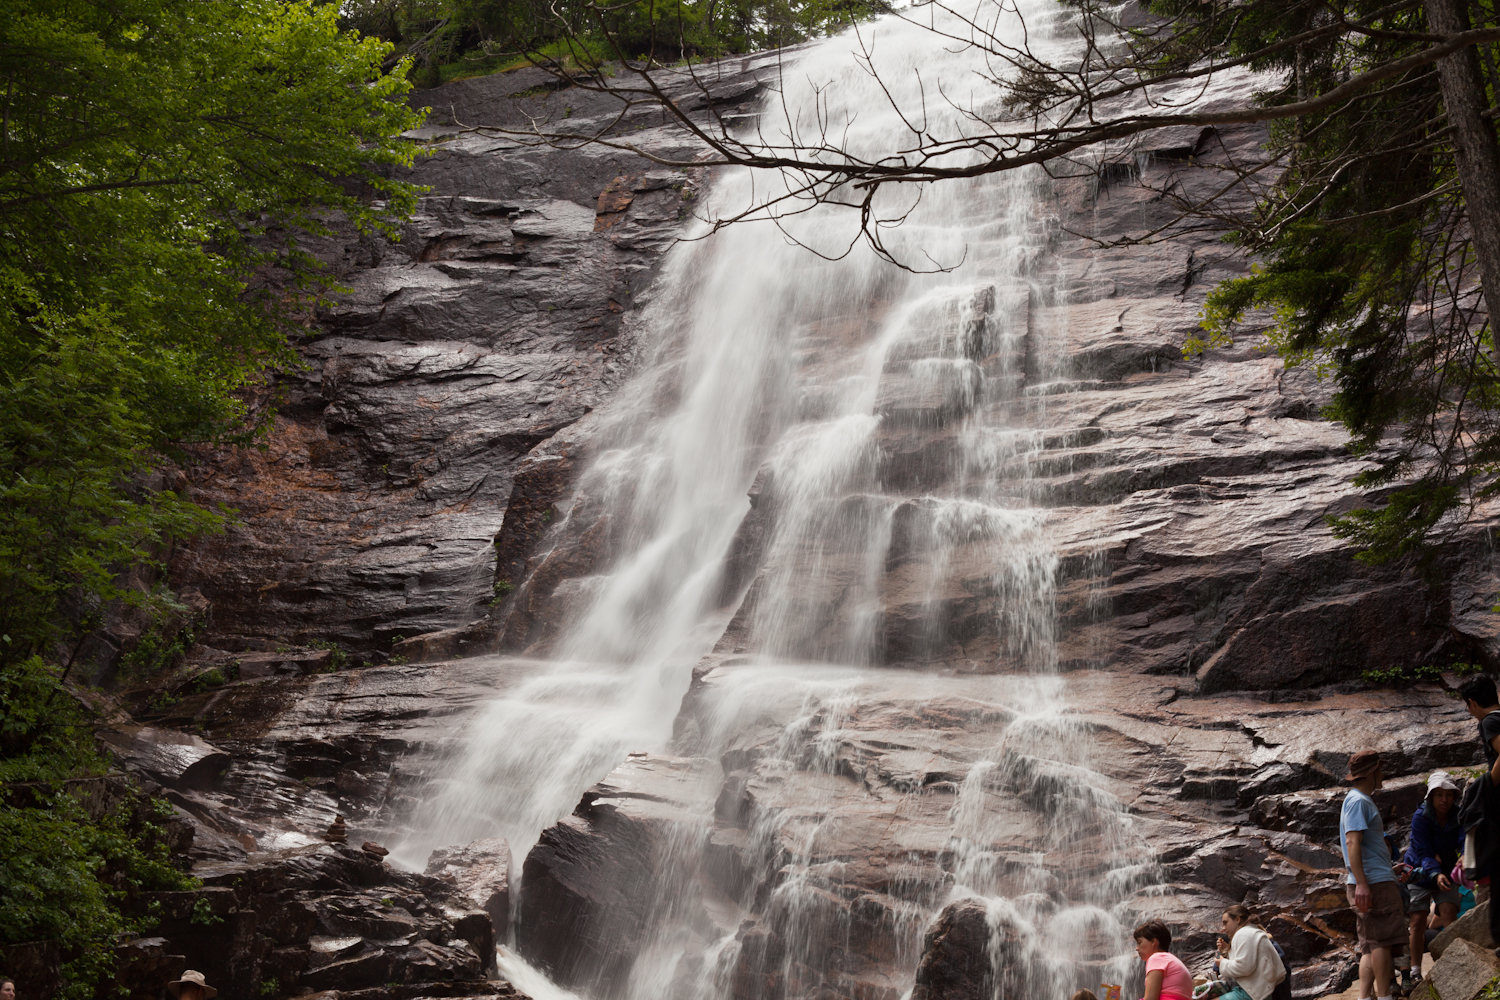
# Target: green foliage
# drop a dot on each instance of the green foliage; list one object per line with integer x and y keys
{"x": 1365, "y": 266}
{"x": 158, "y": 164}
{"x": 452, "y": 39}
{"x": 502, "y": 590}
{"x": 162, "y": 702}
{"x": 1399, "y": 676}
{"x": 270, "y": 987}
{"x": 72, "y": 867}
{"x": 168, "y": 635}
{"x": 203, "y": 914}
{"x": 337, "y": 660}
{"x": 208, "y": 679}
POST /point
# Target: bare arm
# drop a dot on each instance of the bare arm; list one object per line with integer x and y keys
{"x": 1495, "y": 767}
{"x": 1353, "y": 841}
{"x": 1153, "y": 984}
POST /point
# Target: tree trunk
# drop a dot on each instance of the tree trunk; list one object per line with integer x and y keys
{"x": 1478, "y": 154}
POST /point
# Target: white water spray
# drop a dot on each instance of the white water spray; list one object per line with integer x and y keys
{"x": 886, "y": 423}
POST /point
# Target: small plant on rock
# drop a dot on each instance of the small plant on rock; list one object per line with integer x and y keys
{"x": 203, "y": 914}
{"x": 1396, "y": 676}
{"x": 208, "y": 679}
{"x": 339, "y": 658}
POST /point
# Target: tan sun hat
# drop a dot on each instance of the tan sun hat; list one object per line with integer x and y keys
{"x": 194, "y": 978}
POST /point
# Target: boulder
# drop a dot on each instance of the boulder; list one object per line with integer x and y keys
{"x": 179, "y": 760}
{"x": 35, "y": 966}
{"x": 142, "y": 965}
{"x": 1473, "y": 927}
{"x": 597, "y": 881}
{"x": 480, "y": 871}
{"x": 955, "y": 962}
{"x": 283, "y": 662}
{"x": 1464, "y": 970}
{"x": 324, "y": 917}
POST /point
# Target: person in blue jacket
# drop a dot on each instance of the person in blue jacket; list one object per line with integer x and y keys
{"x": 1437, "y": 842}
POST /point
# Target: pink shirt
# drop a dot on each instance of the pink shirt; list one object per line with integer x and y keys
{"x": 1176, "y": 981}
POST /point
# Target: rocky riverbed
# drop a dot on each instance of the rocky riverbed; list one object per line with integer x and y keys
{"x": 1236, "y": 794}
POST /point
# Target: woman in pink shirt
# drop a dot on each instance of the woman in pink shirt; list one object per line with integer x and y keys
{"x": 1166, "y": 977}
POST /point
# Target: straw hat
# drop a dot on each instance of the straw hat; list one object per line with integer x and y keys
{"x": 194, "y": 978}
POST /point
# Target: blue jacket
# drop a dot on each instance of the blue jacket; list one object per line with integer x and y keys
{"x": 1429, "y": 840}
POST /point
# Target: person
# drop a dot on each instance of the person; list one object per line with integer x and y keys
{"x": 191, "y": 987}
{"x": 1085, "y": 995}
{"x": 1166, "y": 977}
{"x": 1379, "y": 916}
{"x": 7, "y": 989}
{"x": 1478, "y": 693}
{"x": 1248, "y": 956}
{"x": 1437, "y": 841}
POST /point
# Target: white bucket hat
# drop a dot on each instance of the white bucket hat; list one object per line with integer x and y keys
{"x": 1440, "y": 779}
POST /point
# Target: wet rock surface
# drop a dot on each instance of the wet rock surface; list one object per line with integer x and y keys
{"x": 956, "y": 961}
{"x": 596, "y": 883}
{"x": 1212, "y": 628}
{"x": 480, "y": 871}
{"x": 499, "y": 317}
{"x": 1186, "y": 498}
{"x": 321, "y": 918}
{"x": 850, "y": 829}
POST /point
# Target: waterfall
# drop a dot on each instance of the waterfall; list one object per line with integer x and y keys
{"x": 818, "y": 483}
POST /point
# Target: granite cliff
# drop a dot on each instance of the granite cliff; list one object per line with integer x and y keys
{"x": 421, "y": 495}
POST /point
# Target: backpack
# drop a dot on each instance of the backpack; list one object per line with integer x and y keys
{"x": 1283, "y": 989}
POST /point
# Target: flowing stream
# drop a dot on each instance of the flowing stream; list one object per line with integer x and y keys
{"x": 820, "y": 468}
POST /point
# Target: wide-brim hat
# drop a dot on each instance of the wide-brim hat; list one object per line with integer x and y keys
{"x": 1440, "y": 779}
{"x": 195, "y": 978}
{"x": 1363, "y": 764}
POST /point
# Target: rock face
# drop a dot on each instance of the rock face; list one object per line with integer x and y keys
{"x": 480, "y": 871}
{"x": 597, "y": 882}
{"x": 180, "y": 760}
{"x": 302, "y": 750}
{"x": 326, "y": 917}
{"x": 955, "y": 961}
{"x": 858, "y": 822}
{"x": 496, "y": 320}
{"x": 1211, "y": 630}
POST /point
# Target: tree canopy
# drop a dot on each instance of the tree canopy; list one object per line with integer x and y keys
{"x": 458, "y": 37}
{"x": 159, "y": 161}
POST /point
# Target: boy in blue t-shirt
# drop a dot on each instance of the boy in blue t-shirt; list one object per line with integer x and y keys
{"x": 1380, "y": 916}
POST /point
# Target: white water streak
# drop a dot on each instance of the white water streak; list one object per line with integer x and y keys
{"x": 821, "y": 377}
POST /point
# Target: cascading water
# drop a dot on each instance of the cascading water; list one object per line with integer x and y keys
{"x": 822, "y": 466}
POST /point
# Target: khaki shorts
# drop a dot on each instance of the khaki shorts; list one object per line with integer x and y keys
{"x": 1384, "y": 924}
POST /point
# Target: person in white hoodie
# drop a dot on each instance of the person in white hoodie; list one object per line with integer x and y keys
{"x": 1249, "y": 958}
